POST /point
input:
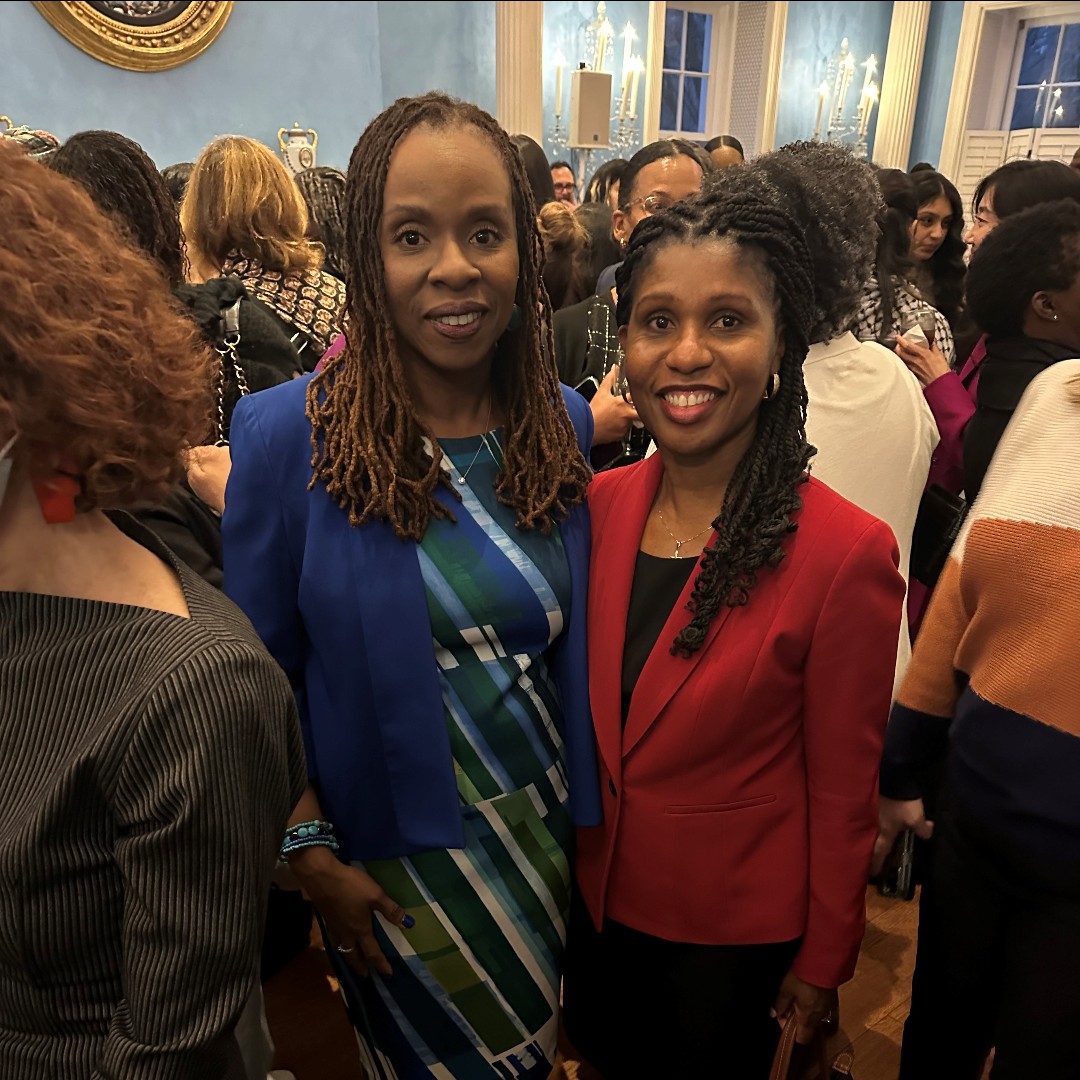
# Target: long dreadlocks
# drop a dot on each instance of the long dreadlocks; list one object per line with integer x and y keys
{"x": 762, "y": 496}
{"x": 367, "y": 440}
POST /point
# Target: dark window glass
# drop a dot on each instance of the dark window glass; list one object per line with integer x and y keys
{"x": 1023, "y": 114}
{"x": 1040, "y": 48}
{"x": 693, "y": 104}
{"x": 698, "y": 37}
{"x": 669, "y": 103}
{"x": 673, "y": 39}
{"x": 1065, "y": 110}
{"x": 1069, "y": 64}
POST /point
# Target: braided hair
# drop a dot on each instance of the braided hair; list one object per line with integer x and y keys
{"x": 323, "y": 189}
{"x": 368, "y": 441}
{"x": 763, "y": 494}
{"x": 122, "y": 180}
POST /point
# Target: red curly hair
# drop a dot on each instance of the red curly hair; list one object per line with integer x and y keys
{"x": 98, "y": 369}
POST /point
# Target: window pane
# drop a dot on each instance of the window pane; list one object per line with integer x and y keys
{"x": 1069, "y": 65}
{"x": 1023, "y": 114}
{"x": 1040, "y": 48}
{"x": 669, "y": 103}
{"x": 673, "y": 33}
{"x": 698, "y": 36}
{"x": 1065, "y": 109}
{"x": 693, "y": 104}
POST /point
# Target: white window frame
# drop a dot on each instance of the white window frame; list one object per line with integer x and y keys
{"x": 721, "y": 62}
{"x": 1018, "y": 56}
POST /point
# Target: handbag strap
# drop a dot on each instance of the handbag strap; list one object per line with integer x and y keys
{"x": 785, "y": 1052}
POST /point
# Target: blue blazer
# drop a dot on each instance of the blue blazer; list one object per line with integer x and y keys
{"x": 344, "y": 612}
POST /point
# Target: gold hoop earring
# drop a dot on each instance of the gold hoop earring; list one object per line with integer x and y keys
{"x": 772, "y": 388}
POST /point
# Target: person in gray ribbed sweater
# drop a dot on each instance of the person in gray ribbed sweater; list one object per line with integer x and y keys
{"x": 149, "y": 746}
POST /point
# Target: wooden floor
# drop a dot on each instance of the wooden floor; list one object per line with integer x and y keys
{"x": 315, "y": 1042}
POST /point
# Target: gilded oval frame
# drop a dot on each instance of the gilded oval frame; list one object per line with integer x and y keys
{"x": 134, "y": 46}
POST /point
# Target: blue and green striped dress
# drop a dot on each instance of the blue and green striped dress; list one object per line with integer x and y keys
{"x": 475, "y": 985}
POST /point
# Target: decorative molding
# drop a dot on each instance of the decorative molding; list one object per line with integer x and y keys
{"x": 772, "y": 64}
{"x": 900, "y": 84}
{"x": 967, "y": 55}
{"x": 519, "y": 67}
{"x": 654, "y": 72}
{"x": 161, "y": 37}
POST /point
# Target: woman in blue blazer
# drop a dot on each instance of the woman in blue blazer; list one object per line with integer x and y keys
{"x": 407, "y": 532}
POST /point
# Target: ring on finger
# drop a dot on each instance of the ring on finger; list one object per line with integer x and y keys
{"x": 348, "y": 949}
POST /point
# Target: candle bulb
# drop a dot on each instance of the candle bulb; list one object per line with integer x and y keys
{"x": 629, "y": 36}
{"x": 624, "y": 93}
{"x": 870, "y": 97}
{"x": 849, "y": 71}
{"x": 602, "y": 38}
{"x": 560, "y": 67}
{"x": 871, "y": 71}
{"x": 834, "y": 111}
{"x": 637, "y": 66}
{"x": 823, "y": 93}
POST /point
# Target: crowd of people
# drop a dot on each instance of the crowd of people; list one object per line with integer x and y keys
{"x": 575, "y": 601}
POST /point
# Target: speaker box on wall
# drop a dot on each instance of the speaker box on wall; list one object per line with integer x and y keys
{"x": 590, "y": 109}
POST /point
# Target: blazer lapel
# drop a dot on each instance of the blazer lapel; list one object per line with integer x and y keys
{"x": 400, "y": 659}
{"x": 614, "y": 554}
{"x": 664, "y": 673}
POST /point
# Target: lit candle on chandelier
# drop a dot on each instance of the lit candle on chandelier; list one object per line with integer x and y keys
{"x": 823, "y": 93}
{"x": 637, "y": 67}
{"x": 870, "y": 96}
{"x": 629, "y": 36}
{"x": 560, "y": 66}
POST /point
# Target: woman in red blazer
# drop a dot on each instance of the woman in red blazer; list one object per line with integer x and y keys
{"x": 741, "y": 668}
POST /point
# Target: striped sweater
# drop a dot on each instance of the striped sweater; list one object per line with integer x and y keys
{"x": 995, "y": 667}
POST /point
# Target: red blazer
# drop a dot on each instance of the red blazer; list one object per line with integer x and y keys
{"x": 741, "y": 798}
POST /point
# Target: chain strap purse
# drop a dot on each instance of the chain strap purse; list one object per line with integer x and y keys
{"x": 227, "y": 347}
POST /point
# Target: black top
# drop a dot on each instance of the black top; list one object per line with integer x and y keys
{"x": 658, "y": 583}
{"x": 1011, "y": 365}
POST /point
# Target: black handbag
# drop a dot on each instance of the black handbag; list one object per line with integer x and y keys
{"x": 937, "y": 525}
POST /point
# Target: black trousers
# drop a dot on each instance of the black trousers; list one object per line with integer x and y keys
{"x": 1005, "y": 966}
{"x": 638, "y": 1006}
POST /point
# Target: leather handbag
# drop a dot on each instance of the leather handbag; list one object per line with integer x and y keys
{"x": 941, "y": 514}
{"x": 792, "y": 1061}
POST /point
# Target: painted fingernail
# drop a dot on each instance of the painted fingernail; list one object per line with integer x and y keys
{"x": 408, "y": 922}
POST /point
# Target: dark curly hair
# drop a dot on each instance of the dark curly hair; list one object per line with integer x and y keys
{"x": 367, "y": 439}
{"x": 96, "y": 364}
{"x": 893, "y": 260}
{"x": 947, "y": 267}
{"x": 122, "y": 180}
{"x": 323, "y": 189}
{"x": 1030, "y": 251}
{"x": 836, "y": 200}
{"x": 763, "y": 495}
{"x": 603, "y": 180}
{"x": 176, "y": 179}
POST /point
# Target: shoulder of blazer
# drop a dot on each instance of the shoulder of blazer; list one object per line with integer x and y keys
{"x": 829, "y": 526}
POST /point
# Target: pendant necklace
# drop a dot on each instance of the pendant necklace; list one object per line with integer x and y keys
{"x": 483, "y": 443}
{"x": 679, "y": 543}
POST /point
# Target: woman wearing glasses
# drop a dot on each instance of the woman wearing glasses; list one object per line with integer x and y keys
{"x": 586, "y": 337}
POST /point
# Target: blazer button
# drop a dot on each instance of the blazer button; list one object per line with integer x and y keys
{"x": 611, "y": 786}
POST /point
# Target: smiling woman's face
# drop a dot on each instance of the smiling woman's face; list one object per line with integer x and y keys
{"x": 701, "y": 347}
{"x": 449, "y": 248}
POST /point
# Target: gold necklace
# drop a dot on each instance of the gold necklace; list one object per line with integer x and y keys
{"x": 679, "y": 543}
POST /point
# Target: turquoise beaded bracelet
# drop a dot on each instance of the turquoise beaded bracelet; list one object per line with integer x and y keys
{"x": 308, "y": 834}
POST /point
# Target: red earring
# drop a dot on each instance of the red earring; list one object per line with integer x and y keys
{"x": 56, "y": 496}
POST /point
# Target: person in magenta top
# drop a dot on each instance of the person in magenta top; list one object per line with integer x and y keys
{"x": 951, "y": 395}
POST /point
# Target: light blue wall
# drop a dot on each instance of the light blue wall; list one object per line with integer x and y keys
{"x": 935, "y": 88}
{"x": 814, "y": 32}
{"x": 565, "y": 23}
{"x": 440, "y": 46}
{"x": 330, "y": 65}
